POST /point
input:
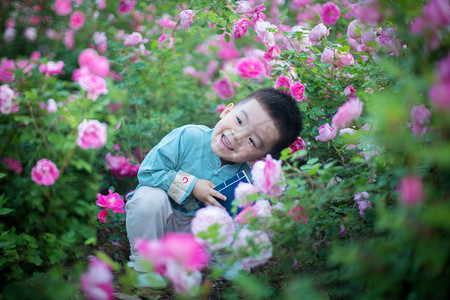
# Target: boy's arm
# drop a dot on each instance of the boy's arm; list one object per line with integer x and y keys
{"x": 160, "y": 166}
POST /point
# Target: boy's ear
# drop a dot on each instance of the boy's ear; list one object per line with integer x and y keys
{"x": 227, "y": 110}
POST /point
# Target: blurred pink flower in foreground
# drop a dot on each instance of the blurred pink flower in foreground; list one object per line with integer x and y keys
{"x": 318, "y": 33}
{"x": 240, "y": 28}
{"x": 213, "y": 217}
{"x": 268, "y": 177}
{"x": 347, "y": 113}
{"x": 186, "y": 18}
{"x": 12, "y": 165}
{"x": 184, "y": 282}
{"x": 246, "y": 215}
{"x": 121, "y": 166}
{"x": 242, "y": 191}
{"x": 44, "y": 172}
{"x": 439, "y": 95}
{"x": 326, "y": 133}
{"x": 112, "y": 201}
{"x": 420, "y": 119}
{"x": 298, "y": 90}
{"x": 411, "y": 190}
{"x": 255, "y": 253}
{"x": 76, "y": 20}
{"x": 62, "y": 7}
{"x": 220, "y": 108}
{"x": 330, "y": 13}
{"x": 250, "y": 67}
{"x": 96, "y": 282}
{"x": 191, "y": 256}
{"x": 92, "y": 134}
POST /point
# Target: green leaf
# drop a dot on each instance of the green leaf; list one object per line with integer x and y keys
{"x": 227, "y": 38}
{"x": 5, "y": 211}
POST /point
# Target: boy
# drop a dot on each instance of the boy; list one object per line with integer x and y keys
{"x": 182, "y": 170}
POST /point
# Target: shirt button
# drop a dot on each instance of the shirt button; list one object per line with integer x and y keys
{"x": 215, "y": 173}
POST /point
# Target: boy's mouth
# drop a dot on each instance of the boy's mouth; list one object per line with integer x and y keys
{"x": 225, "y": 143}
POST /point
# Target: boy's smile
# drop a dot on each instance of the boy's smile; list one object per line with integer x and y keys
{"x": 244, "y": 133}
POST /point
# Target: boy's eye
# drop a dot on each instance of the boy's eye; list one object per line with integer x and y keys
{"x": 252, "y": 142}
{"x": 239, "y": 121}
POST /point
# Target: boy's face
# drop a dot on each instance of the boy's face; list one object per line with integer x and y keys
{"x": 244, "y": 133}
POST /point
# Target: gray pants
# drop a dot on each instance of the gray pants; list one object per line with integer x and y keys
{"x": 150, "y": 216}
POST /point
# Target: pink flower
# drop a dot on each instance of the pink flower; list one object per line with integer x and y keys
{"x": 12, "y": 165}
{"x": 347, "y": 113}
{"x": 101, "y": 41}
{"x": 51, "y": 106}
{"x": 263, "y": 208}
{"x": 420, "y": 119}
{"x": 411, "y": 190}
{"x": 363, "y": 206}
{"x": 326, "y": 133}
{"x": 9, "y": 35}
{"x": 87, "y": 57}
{"x": 7, "y": 105}
{"x": 300, "y": 4}
{"x": 94, "y": 85}
{"x": 100, "y": 67}
{"x": 167, "y": 23}
{"x": 112, "y": 201}
{"x": 246, "y": 215}
{"x": 297, "y": 145}
{"x": 186, "y": 18}
{"x": 208, "y": 218}
{"x": 52, "y": 68}
{"x": 125, "y": 6}
{"x": 76, "y": 20}
{"x": 368, "y": 12}
{"x": 228, "y": 52}
{"x": 133, "y": 39}
{"x": 242, "y": 191}
{"x": 349, "y": 92}
{"x": 255, "y": 253}
{"x": 44, "y": 172}
{"x": 183, "y": 281}
{"x": 102, "y": 215}
{"x": 330, "y": 13}
{"x": 91, "y": 134}
{"x": 318, "y": 33}
{"x": 361, "y": 196}
{"x": 30, "y": 34}
{"x": 240, "y": 28}
{"x": 220, "y": 108}
{"x": 69, "y": 40}
{"x": 191, "y": 256}
{"x": 223, "y": 88}
{"x": 438, "y": 95}
{"x": 267, "y": 37}
{"x": 121, "y": 166}
{"x": 268, "y": 177}
{"x": 297, "y": 90}
{"x": 298, "y": 213}
{"x": 101, "y": 4}
{"x": 62, "y": 7}
{"x": 328, "y": 55}
{"x": 272, "y": 53}
{"x": 283, "y": 82}
{"x": 96, "y": 282}
{"x": 250, "y": 67}
{"x": 354, "y": 27}
{"x": 437, "y": 12}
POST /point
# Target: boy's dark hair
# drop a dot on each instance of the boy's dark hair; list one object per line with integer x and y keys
{"x": 282, "y": 109}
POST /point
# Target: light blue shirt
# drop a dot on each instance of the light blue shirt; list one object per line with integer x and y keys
{"x": 179, "y": 160}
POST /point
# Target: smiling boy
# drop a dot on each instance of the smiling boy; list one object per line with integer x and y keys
{"x": 182, "y": 170}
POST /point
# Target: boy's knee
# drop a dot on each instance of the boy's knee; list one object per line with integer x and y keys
{"x": 148, "y": 201}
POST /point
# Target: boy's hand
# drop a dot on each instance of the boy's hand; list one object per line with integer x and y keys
{"x": 204, "y": 192}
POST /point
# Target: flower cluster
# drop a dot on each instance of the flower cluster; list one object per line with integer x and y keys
{"x": 112, "y": 201}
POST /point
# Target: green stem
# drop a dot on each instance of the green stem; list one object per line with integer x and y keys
{"x": 38, "y": 129}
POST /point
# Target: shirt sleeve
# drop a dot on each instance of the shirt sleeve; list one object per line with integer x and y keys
{"x": 160, "y": 167}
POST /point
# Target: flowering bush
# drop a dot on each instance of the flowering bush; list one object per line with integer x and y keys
{"x": 356, "y": 208}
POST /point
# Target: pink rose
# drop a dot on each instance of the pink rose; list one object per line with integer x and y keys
{"x": 298, "y": 90}
{"x": 318, "y": 33}
{"x": 96, "y": 282}
{"x": 250, "y": 67}
{"x": 44, "y": 172}
{"x": 330, "y": 13}
{"x": 87, "y": 57}
{"x": 62, "y": 7}
{"x": 69, "y": 39}
{"x": 300, "y": 4}
{"x": 76, "y": 20}
{"x": 363, "y": 206}
{"x": 349, "y": 92}
{"x": 298, "y": 213}
{"x": 438, "y": 95}
{"x": 283, "y": 82}
{"x": 101, "y": 41}
{"x": 213, "y": 217}
{"x": 7, "y": 105}
{"x": 94, "y": 85}
{"x": 267, "y": 37}
{"x": 102, "y": 215}
{"x": 220, "y": 108}
{"x": 246, "y": 215}
{"x": 186, "y": 18}
{"x": 255, "y": 253}
{"x": 112, "y": 201}
{"x": 297, "y": 145}
{"x": 411, "y": 190}
{"x": 121, "y": 166}
{"x": 242, "y": 191}
{"x": 183, "y": 281}
{"x": 326, "y": 133}
{"x": 268, "y": 177}
{"x": 52, "y": 68}
{"x": 272, "y": 53}
{"x": 352, "y": 29}
{"x": 100, "y": 67}
{"x": 30, "y": 34}
{"x": 367, "y": 12}
{"x": 263, "y": 208}
{"x": 347, "y": 113}
{"x": 444, "y": 68}
{"x": 133, "y": 39}
{"x": 420, "y": 119}
{"x": 437, "y": 12}
{"x": 240, "y": 28}
{"x": 361, "y": 196}
{"x": 167, "y": 23}
{"x": 125, "y": 6}
{"x": 328, "y": 55}
{"x": 91, "y": 134}
{"x": 51, "y": 106}
{"x": 228, "y": 52}
{"x": 223, "y": 88}
{"x": 12, "y": 165}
